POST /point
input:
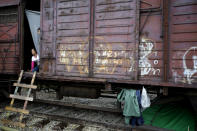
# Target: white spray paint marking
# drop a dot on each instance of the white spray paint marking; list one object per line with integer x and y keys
{"x": 195, "y": 61}
{"x": 146, "y": 48}
{"x": 188, "y": 73}
{"x": 177, "y": 77}
{"x": 132, "y": 67}
{"x": 156, "y": 62}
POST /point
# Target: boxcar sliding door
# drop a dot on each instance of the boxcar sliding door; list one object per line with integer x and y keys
{"x": 116, "y": 38}
{"x": 183, "y": 41}
{"x": 72, "y": 50}
{"x": 95, "y": 38}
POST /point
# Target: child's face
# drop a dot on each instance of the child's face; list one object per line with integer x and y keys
{"x": 33, "y": 52}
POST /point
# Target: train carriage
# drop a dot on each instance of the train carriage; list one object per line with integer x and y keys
{"x": 90, "y": 47}
{"x": 124, "y": 43}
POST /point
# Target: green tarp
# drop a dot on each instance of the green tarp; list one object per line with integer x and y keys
{"x": 175, "y": 116}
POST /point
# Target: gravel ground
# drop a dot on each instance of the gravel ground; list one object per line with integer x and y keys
{"x": 40, "y": 123}
{"x": 36, "y": 123}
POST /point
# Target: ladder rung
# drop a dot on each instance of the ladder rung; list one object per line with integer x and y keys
{"x": 21, "y": 97}
{"x": 7, "y": 128}
{"x": 25, "y": 85}
{"x": 16, "y": 110}
{"x": 8, "y": 122}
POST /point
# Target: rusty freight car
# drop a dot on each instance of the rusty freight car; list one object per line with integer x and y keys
{"x": 10, "y": 44}
{"x": 112, "y": 42}
{"x": 140, "y": 42}
{"x": 90, "y": 47}
{"x": 9, "y": 37}
{"x": 12, "y": 49}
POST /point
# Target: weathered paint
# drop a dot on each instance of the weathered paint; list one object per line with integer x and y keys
{"x": 70, "y": 57}
{"x": 72, "y": 52}
{"x": 47, "y": 36}
{"x": 116, "y": 32}
{"x": 186, "y": 67}
{"x": 189, "y": 72}
{"x": 146, "y": 48}
{"x": 102, "y": 37}
{"x": 183, "y": 41}
{"x": 71, "y": 43}
{"x": 6, "y": 3}
{"x": 151, "y": 46}
{"x": 9, "y": 41}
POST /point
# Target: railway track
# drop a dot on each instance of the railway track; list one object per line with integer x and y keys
{"x": 47, "y": 116}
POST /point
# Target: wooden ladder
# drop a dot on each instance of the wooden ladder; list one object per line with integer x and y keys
{"x": 19, "y": 97}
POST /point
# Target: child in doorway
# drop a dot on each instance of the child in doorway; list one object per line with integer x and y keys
{"x": 35, "y": 61}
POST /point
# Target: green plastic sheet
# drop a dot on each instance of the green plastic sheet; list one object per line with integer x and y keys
{"x": 177, "y": 116}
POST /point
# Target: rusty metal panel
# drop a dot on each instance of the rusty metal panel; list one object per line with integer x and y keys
{"x": 101, "y": 38}
{"x": 90, "y": 38}
{"x": 8, "y": 58}
{"x": 48, "y": 36}
{"x": 183, "y": 41}
{"x": 8, "y": 23}
{"x": 8, "y": 15}
{"x": 4, "y": 3}
{"x": 115, "y": 39}
{"x": 151, "y": 48}
{"x": 9, "y": 44}
{"x": 72, "y": 34}
{"x": 151, "y": 44}
{"x": 150, "y": 4}
{"x": 8, "y": 32}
